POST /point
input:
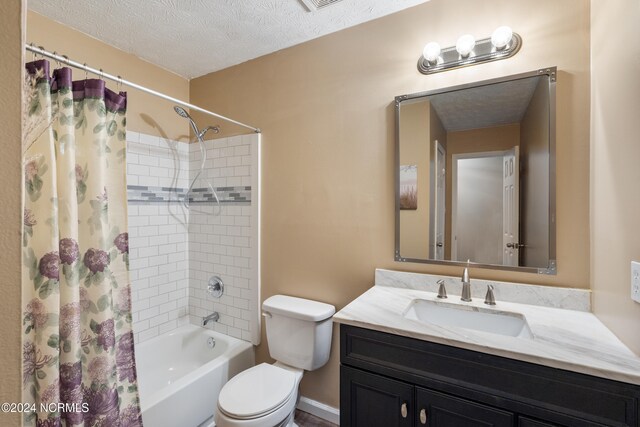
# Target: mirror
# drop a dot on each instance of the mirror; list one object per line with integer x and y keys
{"x": 475, "y": 174}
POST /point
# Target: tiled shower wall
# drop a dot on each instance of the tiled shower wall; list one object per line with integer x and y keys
{"x": 174, "y": 250}
{"x": 158, "y": 242}
{"x": 223, "y": 238}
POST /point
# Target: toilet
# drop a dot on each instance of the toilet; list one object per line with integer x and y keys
{"x": 299, "y": 339}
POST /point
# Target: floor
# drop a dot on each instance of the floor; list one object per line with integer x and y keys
{"x": 304, "y": 419}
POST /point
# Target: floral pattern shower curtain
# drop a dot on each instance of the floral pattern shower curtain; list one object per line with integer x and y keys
{"x": 78, "y": 358}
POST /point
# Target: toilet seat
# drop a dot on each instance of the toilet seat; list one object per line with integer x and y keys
{"x": 257, "y": 392}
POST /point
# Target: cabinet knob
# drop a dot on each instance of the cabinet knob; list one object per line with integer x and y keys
{"x": 403, "y": 410}
{"x": 423, "y": 416}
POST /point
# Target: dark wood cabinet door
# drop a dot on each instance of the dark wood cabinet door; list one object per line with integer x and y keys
{"x": 370, "y": 400}
{"x": 434, "y": 409}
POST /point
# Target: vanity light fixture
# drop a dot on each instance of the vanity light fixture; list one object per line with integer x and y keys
{"x": 502, "y": 44}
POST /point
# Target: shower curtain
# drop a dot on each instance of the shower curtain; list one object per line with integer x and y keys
{"x": 78, "y": 359}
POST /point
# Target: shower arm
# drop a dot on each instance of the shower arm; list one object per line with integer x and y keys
{"x": 203, "y": 153}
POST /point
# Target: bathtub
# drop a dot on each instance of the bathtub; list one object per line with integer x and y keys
{"x": 180, "y": 376}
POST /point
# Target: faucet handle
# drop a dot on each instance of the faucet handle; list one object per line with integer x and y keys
{"x": 442, "y": 291}
{"x": 490, "y": 299}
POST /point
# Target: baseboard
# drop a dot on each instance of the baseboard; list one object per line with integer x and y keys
{"x": 320, "y": 410}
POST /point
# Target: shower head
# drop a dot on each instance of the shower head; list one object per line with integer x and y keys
{"x": 182, "y": 112}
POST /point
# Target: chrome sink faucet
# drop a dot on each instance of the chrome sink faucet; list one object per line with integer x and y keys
{"x": 213, "y": 317}
{"x": 466, "y": 286}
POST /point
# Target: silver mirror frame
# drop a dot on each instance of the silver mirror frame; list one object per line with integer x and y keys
{"x": 551, "y": 269}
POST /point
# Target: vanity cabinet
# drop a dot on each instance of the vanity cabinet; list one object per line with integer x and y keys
{"x": 388, "y": 380}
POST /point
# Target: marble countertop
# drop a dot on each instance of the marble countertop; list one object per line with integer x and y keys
{"x": 565, "y": 339}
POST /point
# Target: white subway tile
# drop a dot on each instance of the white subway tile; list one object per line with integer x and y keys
{"x": 141, "y": 325}
{"x": 132, "y": 136}
{"x": 148, "y": 293}
{"x": 240, "y": 324}
{"x": 159, "y": 172}
{"x": 241, "y": 303}
{"x": 148, "y": 334}
{"x": 148, "y": 272}
{"x": 167, "y": 327}
{"x": 149, "y": 181}
{"x": 149, "y": 139}
{"x": 159, "y": 319}
{"x": 139, "y": 170}
{"x": 148, "y": 313}
{"x": 167, "y": 287}
{"x": 234, "y": 332}
{"x": 147, "y": 160}
{"x": 157, "y": 301}
{"x": 148, "y": 252}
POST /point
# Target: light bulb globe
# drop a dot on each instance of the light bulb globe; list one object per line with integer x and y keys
{"x": 501, "y": 37}
{"x": 431, "y": 52}
{"x": 465, "y": 45}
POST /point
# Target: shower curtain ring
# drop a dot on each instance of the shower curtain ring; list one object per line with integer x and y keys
{"x": 33, "y": 52}
{"x": 101, "y": 74}
{"x": 55, "y": 54}
{"x": 86, "y": 73}
{"x": 41, "y": 51}
{"x": 119, "y": 83}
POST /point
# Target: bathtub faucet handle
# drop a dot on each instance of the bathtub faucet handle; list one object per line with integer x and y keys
{"x": 213, "y": 317}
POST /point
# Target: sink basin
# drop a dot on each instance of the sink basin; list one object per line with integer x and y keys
{"x": 469, "y": 317}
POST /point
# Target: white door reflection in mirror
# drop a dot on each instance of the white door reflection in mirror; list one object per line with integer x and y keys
{"x": 510, "y": 206}
{"x": 440, "y": 209}
{"x": 479, "y": 207}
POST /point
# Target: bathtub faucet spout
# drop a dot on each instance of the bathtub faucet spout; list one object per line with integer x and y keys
{"x": 213, "y": 317}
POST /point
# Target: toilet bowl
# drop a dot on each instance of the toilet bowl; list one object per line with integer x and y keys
{"x": 299, "y": 338}
{"x": 262, "y": 396}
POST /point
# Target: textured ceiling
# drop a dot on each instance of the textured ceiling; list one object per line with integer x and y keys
{"x": 485, "y": 106}
{"x": 196, "y": 37}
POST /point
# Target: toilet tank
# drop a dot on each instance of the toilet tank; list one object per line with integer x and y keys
{"x": 298, "y": 331}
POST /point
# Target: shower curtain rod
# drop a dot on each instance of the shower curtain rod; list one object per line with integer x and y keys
{"x": 63, "y": 59}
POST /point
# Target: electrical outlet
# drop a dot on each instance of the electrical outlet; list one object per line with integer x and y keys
{"x": 635, "y": 281}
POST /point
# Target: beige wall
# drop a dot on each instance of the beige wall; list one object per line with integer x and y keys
{"x": 11, "y": 40}
{"x": 615, "y": 175}
{"x": 414, "y": 133}
{"x": 326, "y": 111}
{"x": 145, "y": 113}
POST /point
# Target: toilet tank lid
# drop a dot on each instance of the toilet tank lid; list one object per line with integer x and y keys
{"x": 298, "y": 308}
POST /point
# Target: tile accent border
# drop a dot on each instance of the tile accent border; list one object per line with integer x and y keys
{"x": 546, "y": 296}
{"x": 149, "y": 194}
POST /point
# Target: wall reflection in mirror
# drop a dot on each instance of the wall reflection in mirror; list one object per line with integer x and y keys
{"x": 476, "y": 174}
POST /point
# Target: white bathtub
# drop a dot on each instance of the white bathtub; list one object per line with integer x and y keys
{"x": 180, "y": 376}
